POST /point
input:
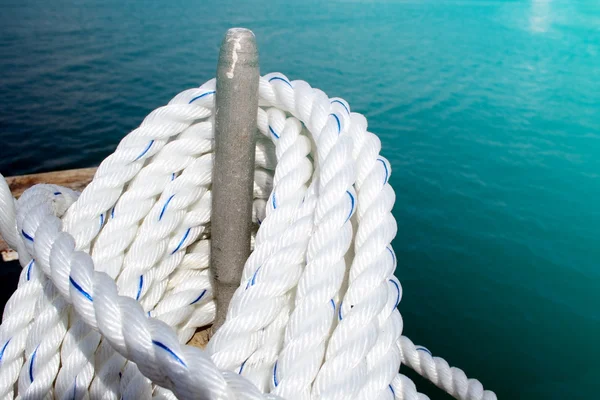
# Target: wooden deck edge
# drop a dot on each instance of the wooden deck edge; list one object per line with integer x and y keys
{"x": 201, "y": 337}
{"x": 76, "y": 179}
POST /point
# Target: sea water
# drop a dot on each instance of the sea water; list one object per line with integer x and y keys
{"x": 489, "y": 112}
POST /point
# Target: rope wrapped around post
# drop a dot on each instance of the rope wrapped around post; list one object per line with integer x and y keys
{"x": 116, "y": 279}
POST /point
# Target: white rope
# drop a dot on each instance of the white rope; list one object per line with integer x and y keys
{"x": 315, "y": 316}
{"x": 35, "y": 297}
{"x": 453, "y": 380}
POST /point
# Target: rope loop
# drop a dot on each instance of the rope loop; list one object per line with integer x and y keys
{"x": 115, "y": 280}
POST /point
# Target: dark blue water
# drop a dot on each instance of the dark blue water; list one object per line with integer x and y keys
{"x": 489, "y": 112}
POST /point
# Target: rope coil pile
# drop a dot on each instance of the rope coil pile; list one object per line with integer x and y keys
{"x": 115, "y": 280}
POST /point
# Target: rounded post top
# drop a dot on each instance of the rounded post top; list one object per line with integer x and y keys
{"x": 240, "y": 32}
{"x": 238, "y": 49}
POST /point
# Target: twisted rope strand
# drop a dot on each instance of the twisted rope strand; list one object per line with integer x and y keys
{"x": 451, "y": 379}
{"x": 322, "y": 278}
{"x": 315, "y": 316}
{"x": 29, "y": 298}
{"x": 274, "y": 266}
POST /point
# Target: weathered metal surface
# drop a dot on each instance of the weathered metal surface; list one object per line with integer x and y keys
{"x": 235, "y": 141}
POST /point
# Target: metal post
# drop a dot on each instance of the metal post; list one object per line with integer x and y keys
{"x": 233, "y": 174}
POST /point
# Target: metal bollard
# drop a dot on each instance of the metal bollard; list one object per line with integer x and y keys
{"x": 233, "y": 174}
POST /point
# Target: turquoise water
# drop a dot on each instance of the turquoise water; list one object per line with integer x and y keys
{"x": 489, "y": 112}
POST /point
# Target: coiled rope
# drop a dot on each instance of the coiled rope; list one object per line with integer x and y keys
{"x": 115, "y": 280}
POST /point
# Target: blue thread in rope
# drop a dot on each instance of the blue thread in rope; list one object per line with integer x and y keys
{"x": 393, "y": 255}
{"x": 145, "y": 150}
{"x": 168, "y": 350}
{"x": 182, "y": 240}
{"x": 4, "y": 348}
{"x": 273, "y": 132}
{"x": 201, "y": 96}
{"x": 31, "y": 364}
{"x": 80, "y": 289}
{"x": 162, "y": 212}
{"x": 398, "y": 289}
{"x": 387, "y": 174}
{"x": 339, "y": 125}
{"x": 253, "y": 281}
{"x": 275, "y": 374}
{"x": 351, "y": 205}
{"x": 343, "y": 105}
{"x": 278, "y": 78}
{"x": 140, "y": 285}
{"x": 26, "y": 236}
{"x": 242, "y": 367}
{"x": 424, "y": 349}
{"x": 29, "y": 269}
{"x": 199, "y": 297}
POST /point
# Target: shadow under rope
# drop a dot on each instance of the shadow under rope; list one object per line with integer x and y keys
{"x": 9, "y": 279}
